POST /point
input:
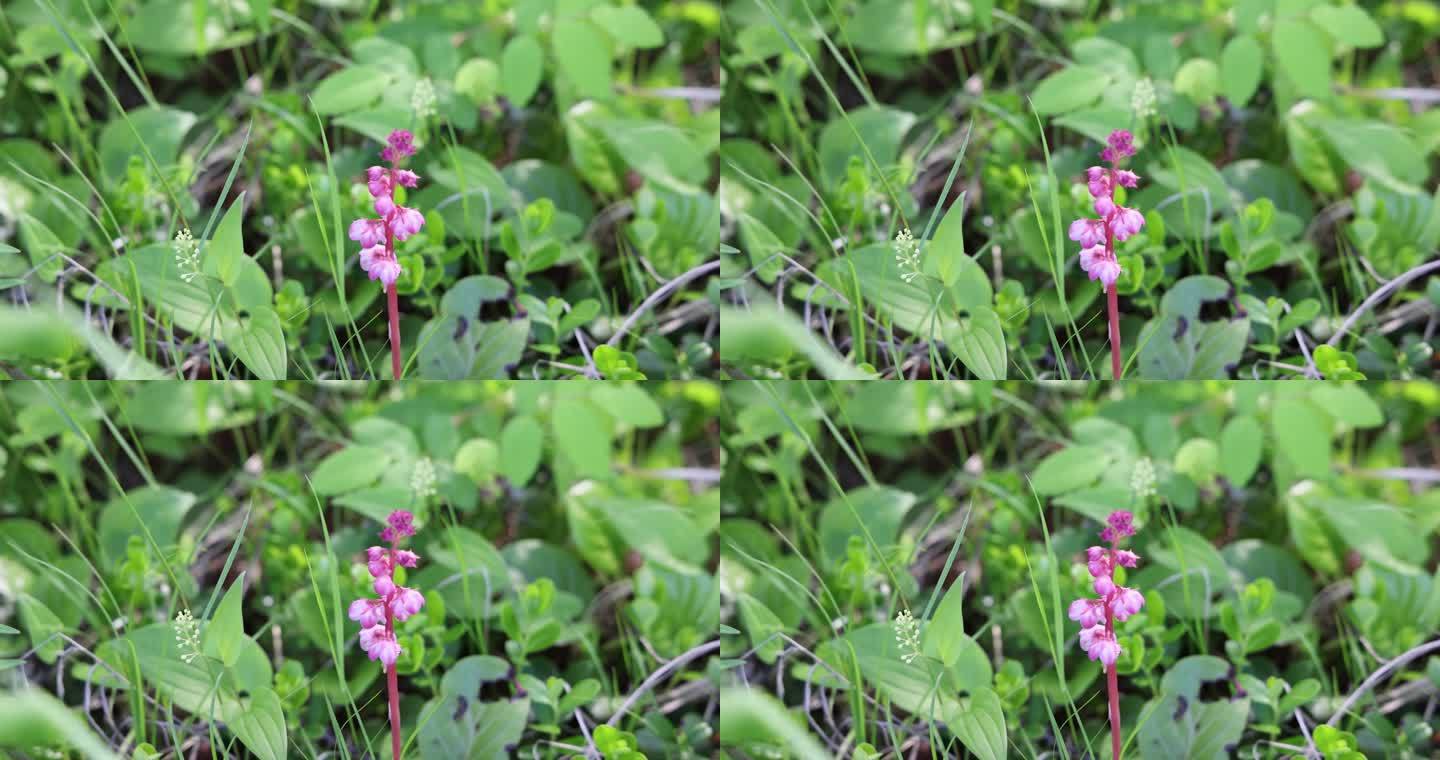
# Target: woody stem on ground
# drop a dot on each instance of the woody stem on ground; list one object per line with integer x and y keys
{"x": 1112, "y": 685}
{"x": 392, "y": 683}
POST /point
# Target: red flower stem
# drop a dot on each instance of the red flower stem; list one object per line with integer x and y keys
{"x": 1113, "y": 300}
{"x": 393, "y": 302}
{"x": 392, "y": 683}
{"x": 1112, "y": 684}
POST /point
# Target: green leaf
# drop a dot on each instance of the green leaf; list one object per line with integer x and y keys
{"x": 1198, "y": 79}
{"x": 1377, "y": 150}
{"x": 1302, "y": 436}
{"x": 979, "y": 723}
{"x": 350, "y": 89}
{"x": 1350, "y": 25}
{"x": 761, "y": 624}
{"x": 225, "y": 633}
{"x": 878, "y": 509}
{"x": 657, "y": 151}
{"x": 1304, "y": 56}
{"x": 945, "y": 631}
{"x": 260, "y": 724}
{"x": 462, "y": 727}
{"x": 160, "y": 509}
{"x": 656, "y": 530}
{"x": 1068, "y": 89}
{"x": 1379, "y": 532}
{"x": 765, "y": 333}
{"x": 522, "y": 66}
{"x": 1241, "y": 66}
{"x": 945, "y": 258}
{"x": 478, "y": 79}
{"x": 162, "y": 130}
{"x": 582, "y": 436}
{"x": 258, "y": 341}
{"x": 477, "y": 459}
{"x": 876, "y": 131}
{"x": 1069, "y": 469}
{"x": 1240, "y": 447}
{"x": 34, "y": 719}
{"x": 1348, "y": 403}
{"x": 583, "y": 56}
{"x": 630, "y": 404}
{"x": 520, "y": 448}
{"x": 1203, "y": 731}
{"x": 222, "y": 257}
{"x": 630, "y": 25}
{"x": 348, "y": 469}
{"x": 751, "y": 715}
{"x": 42, "y": 626}
{"x": 979, "y": 342}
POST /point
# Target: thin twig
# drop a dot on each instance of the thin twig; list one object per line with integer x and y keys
{"x": 662, "y": 673}
{"x": 1381, "y": 294}
{"x": 659, "y": 295}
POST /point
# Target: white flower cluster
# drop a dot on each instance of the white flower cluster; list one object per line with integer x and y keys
{"x": 422, "y": 100}
{"x": 187, "y": 634}
{"x": 907, "y": 634}
{"x": 422, "y": 480}
{"x": 907, "y": 254}
{"x": 1142, "y": 99}
{"x": 1142, "y": 479}
{"x": 187, "y": 255}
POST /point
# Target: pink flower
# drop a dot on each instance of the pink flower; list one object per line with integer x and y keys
{"x": 408, "y": 178}
{"x": 384, "y": 205}
{"x": 1127, "y": 178}
{"x": 407, "y": 602}
{"x": 398, "y": 146}
{"x": 368, "y": 612}
{"x": 368, "y": 232}
{"x": 380, "y": 644}
{"x": 408, "y": 559}
{"x": 1127, "y": 602}
{"x": 1117, "y": 526}
{"x": 1088, "y": 232}
{"x": 1118, "y": 146}
{"x": 407, "y": 221}
{"x": 1126, "y": 558}
{"x": 1104, "y": 206}
{"x": 1100, "y": 644}
{"x": 1100, "y": 264}
{"x": 1104, "y": 586}
{"x": 1126, "y": 222}
{"x": 1088, "y": 612}
{"x": 380, "y": 264}
{"x": 384, "y": 586}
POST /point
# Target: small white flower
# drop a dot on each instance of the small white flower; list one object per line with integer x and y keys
{"x": 1142, "y": 99}
{"x": 187, "y": 255}
{"x": 422, "y": 100}
{"x": 1142, "y": 478}
{"x": 422, "y": 480}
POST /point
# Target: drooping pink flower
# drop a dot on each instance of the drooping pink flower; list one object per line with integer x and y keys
{"x": 1101, "y": 645}
{"x": 1088, "y": 232}
{"x": 1099, "y": 262}
{"x": 380, "y": 644}
{"x": 1116, "y": 223}
{"x": 368, "y": 612}
{"x": 1088, "y": 612}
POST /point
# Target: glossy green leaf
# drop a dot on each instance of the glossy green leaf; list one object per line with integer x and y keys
{"x": 1068, "y": 89}
{"x": 1304, "y": 56}
{"x": 584, "y": 57}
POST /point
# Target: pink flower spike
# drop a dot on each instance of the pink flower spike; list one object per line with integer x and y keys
{"x": 398, "y": 146}
{"x": 1121, "y": 522}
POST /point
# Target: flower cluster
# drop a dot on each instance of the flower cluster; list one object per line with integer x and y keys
{"x": 1097, "y": 616}
{"x": 907, "y": 635}
{"x": 187, "y": 255}
{"x": 187, "y": 635}
{"x": 377, "y": 236}
{"x": 377, "y": 617}
{"x": 907, "y": 255}
{"x": 1097, "y": 237}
